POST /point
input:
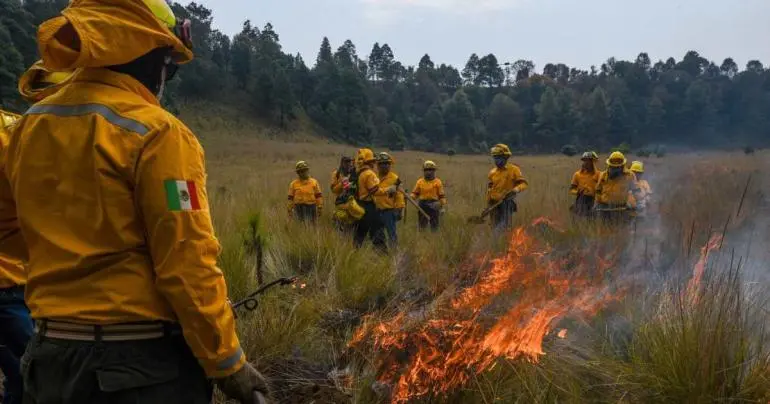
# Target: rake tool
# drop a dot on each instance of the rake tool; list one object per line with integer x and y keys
{"x": 480, "y": 218}
{"x": 412, "y": 201}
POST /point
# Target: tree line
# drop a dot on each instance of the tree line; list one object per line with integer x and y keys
{"x": 376, "y": 100}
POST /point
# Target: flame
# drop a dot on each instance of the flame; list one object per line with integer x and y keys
{"x": 562, "y": 333}
{"x": 505, "y": 314}
{"x": 715, "y": 242}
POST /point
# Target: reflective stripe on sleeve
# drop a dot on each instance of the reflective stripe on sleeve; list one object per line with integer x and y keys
{"x": 85, "y": 109}
{"x": 230, "y": 361}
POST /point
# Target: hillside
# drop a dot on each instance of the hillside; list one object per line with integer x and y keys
{"x": 376, "y": 99}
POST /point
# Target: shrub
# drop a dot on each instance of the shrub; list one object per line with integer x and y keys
{"x": 451, "y": 152}
{"x": 749, "y": 150}
{"x": 660, "y": 152}
{"x": 569, "y": 150}
{"x": 624, "y": 148}
{"x": 644, "y": 152}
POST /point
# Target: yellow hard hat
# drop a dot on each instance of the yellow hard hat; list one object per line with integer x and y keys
{"x": 637, "y": 167}
{"x": 38, "y": 82}
{"x": 7, "y": 118}
{"x": 301, "y": 166}
{"x": 500, "y": 150}
{"x": 384, "y": 158}
{"x": 181, "y": 29}
{"x": 365, "y": 156}
{"x": 617, "y": 159}
{"x": 429, "y": 165}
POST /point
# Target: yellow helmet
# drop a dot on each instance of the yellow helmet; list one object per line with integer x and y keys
{"x": 429, "y": 165}
{"x": 384, "y": 158}
{"x": 301, "y": 166}
{"x": 365, "y": 156}
{"x": 500, "y": 150}
{"x": 617, "y": 159}
{"x": 181, "y": 29}
{"x": 7, "y": 118}
{"x": 637, "y": 167}
{"x": 39, "y": 82}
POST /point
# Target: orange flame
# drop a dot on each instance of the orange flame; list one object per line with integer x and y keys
{"x": 693, "y": 285}
{"x": 506, "y": 314}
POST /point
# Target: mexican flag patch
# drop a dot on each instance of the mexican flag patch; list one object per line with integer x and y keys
{"x": 182, "y": 195}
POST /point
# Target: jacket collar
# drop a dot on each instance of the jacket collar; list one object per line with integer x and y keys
{"x": 117, "y": 80}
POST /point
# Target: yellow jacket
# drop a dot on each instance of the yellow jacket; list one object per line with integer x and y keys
{"x": 12, "y": 248}
{"x": 305, "y": 192}
{"x": 337, "y": 185}
{"x": 503, "y": 181}
{"x": 368, "y": 184}
{"x": 115, "y": 215}
{"x": 381, "y": 198}
{"x": 584, "y": 182}
{"x": 644, "y": 193}
{"x": 617, "y": 192}
{"x": 432, "y": 190}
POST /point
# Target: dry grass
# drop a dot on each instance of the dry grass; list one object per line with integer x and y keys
{"x": 652, "y": 347}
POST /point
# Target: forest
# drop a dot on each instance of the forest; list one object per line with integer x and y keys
{"x": 377, "y": 100}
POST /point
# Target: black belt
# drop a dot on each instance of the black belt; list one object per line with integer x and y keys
{"x": 111, "y": 332}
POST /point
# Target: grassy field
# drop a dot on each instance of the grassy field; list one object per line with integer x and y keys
{"x": 622, "y": 314}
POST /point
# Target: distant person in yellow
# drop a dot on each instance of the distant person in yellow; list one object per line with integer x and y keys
{"x": 616, "y": 190}
{"x": 505, "y": 182}
{"x": 16, "y": 325}
{"x": 429, "y": 193}
{"x": 109, "y": 191}
{"x": 389, "y": 200}
{"x": 341, "y": 176}
{"x": 305, "y": 198}
{"x": 645, "y": 191}
{"x": 367, "y": 185}
{"x": 583, "y": 185}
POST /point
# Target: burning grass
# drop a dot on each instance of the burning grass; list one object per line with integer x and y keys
{"x": 558, "y": 311}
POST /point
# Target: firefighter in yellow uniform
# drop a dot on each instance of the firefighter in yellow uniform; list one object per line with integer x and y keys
{"x": 389, "y": 200}
{"x": 505, "y": 182}
{"x": 305, "y": 198}
{"x": 367, "y": 185}
{"x": 616, "y": 190}
{"x": 583, "y": 186}
{"x": 16, "y": 325}
{"x": 109, "y": 191}
{"x": 644, "y": 190}
{"x": 341, "y": 176}
{"x": 429, "y": 193}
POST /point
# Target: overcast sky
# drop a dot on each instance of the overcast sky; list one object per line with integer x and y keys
{"x": 576, "y": 32}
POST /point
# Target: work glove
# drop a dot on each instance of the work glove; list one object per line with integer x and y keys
{"x": 391, "y": 190}
{"x": 242, "y": 384}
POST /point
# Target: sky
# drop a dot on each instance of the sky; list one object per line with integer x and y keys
{"x": 579, "y": 33}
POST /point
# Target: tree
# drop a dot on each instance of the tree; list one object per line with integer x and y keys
{"x": 471, "y": 71}
{"x": 489, "y": 72}
{"x": 375, "y": 61}
{"x": 594, "y": 118}
{"x": 459, "y": 119}
{"x": 729, "y": 68}
{"x": 504, "y": 118}
{"x": 325, "y": 53}
{"x": 433, "y": 122}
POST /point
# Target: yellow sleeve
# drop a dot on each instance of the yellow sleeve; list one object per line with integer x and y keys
{"x": 573, "y": 188}
{"x": 416, "y": 189}
{"x": 336, "y": 184}
{"x": 319, "y": 197}
{"x": 490, "y": 185}
{"x": 519, "y": 182}
{"x": 292, "y": 191}
{"x": 441, "y": 194}
{"x": 372, "y": 183}
{"x": 13, "y": 248}
{"x": 184, "y": 249}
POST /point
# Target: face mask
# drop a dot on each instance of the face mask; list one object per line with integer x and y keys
{"x": 500, "y": 161}
{"x": 304, "y": 175}
{"x": 615, "y": 172}
{"x": 429, "y": 175}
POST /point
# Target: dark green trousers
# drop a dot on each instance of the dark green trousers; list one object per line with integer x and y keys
{"x": 161, "y": 371}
